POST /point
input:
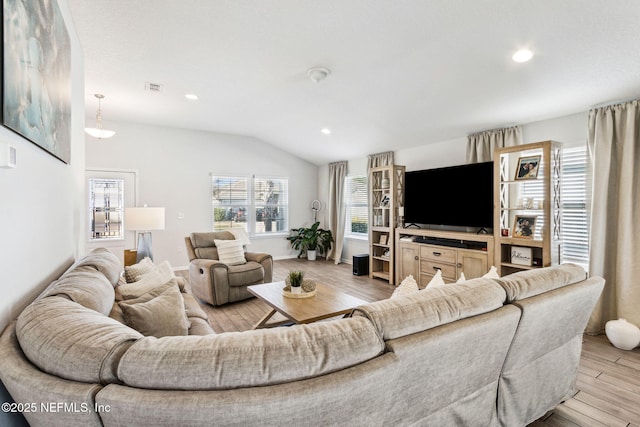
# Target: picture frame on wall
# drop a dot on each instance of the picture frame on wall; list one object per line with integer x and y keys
{"x": 524, "y": 226}
{"x": 528, "y": 167}
{"x": 36, "y": 75}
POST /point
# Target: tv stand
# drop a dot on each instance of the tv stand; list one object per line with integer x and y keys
{"x": 422, "y": 253}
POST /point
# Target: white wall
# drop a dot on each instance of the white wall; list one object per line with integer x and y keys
{"x": 570, "y": 130}
{"x": 41, "y": 207}
{"x": 173, "y": 170}
{"x": 42, "y": 212}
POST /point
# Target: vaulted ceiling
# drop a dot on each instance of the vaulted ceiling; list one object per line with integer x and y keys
{"x": 403, "y": 72}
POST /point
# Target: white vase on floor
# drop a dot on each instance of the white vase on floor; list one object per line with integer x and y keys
{"x": 622, "y": 334}
{"x": 311, "y": 255}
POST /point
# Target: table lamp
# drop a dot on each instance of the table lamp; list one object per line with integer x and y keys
{"x": 143, "y": 220}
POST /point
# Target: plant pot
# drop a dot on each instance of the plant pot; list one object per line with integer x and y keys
{"x": 311, "y": 255}
{"x": 296, "y": 289}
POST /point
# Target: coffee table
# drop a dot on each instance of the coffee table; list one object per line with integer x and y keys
{"x": 327, "y": 302}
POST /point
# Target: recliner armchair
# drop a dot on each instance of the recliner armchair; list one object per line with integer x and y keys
{"x": 217, "y": 283}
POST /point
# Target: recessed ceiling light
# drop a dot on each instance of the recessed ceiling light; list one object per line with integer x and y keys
{"x": 326, "y": 131}
{"x": 523, "y": 55}
{"x": 191, "y": 96}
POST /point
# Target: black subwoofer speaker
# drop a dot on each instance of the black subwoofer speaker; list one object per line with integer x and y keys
{"x": 361, "y": 265}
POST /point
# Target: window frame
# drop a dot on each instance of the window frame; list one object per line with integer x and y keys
{"x": 348, "y": 202}
{"x": 252, "y": 204}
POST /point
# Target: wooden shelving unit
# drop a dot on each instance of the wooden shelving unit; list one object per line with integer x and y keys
{"x": 386, "y": 196}
{"x": 534, "y": 202}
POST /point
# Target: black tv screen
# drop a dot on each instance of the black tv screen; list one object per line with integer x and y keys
{"x": 460, "y": 196}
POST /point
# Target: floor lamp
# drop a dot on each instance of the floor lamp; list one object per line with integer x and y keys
{"x": 143, "y": 220}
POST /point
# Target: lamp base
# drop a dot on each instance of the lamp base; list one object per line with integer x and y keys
{"x": 144, "y": 246}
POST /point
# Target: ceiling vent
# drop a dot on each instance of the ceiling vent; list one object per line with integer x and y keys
{"x": 153, "y": 87}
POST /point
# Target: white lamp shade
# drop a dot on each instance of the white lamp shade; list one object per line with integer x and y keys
{"x": 144, "y": 219}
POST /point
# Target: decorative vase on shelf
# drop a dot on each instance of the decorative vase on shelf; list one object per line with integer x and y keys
{"x": 385, "y": 183}
{"x": 622, "y": 334}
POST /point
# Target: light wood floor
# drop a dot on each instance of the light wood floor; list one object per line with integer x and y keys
{"x": 608, "y": 378}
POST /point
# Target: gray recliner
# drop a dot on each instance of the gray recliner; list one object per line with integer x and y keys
{"x": 217, "y": 283}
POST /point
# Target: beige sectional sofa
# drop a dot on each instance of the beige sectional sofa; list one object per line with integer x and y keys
{"x": 481, "y": 353}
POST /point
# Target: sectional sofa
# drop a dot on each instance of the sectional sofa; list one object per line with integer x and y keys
{"x": 481, "y": 353}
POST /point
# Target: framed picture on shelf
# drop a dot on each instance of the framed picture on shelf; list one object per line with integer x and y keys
{"x": 383, "y": 239}
{"x": 524, "y": 226}
{"x": 528, "y": 167}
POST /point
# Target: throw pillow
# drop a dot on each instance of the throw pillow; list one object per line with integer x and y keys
{"x": 158, "y": 276}
{"x": 230, "y": 252}
{"x": 492, "y": 273}
{"x": 407, "y": 286}
{"x": 161, "y": 316}
{"x": 461, "y": 279}
{"x": 132, "y": 273}
{"x": 436, "y": 281}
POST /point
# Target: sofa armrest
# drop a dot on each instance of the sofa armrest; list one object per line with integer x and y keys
{"x": 267, "y": 263}
{"x": 209, "y": 280}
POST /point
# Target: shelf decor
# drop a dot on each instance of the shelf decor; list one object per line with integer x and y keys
{"x": 36, "y": 75}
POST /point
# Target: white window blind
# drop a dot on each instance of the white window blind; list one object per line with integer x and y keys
{"x": 258, "y": 205}
{"x": 357, "y": 209}
{"x": 574, "y": 224}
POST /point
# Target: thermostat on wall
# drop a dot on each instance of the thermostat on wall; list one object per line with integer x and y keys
{"x": 8, "y": 156}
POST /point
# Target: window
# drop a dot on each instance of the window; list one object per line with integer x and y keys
{"x": 106, "y": 206}
{"x": 357, "y": 224}
{"x": 258, "y": 205}
{"x": 574, "y": 226}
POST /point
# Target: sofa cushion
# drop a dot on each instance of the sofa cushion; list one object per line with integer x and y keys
{"x": 230, "y": 252}
{"x": 103, "y": 261}
{"x": 245, "y": 274}
{"x": 133, "y": 273}
{"x": 158, "y": 276}
{"x": 432, "y": 307}
{"x": 63, "y": 338}
{"x": 86, "y": 286}
{"x": 161, "y": 316}
{"x": 528, "y": 283}
{"x": 250, "y": 358}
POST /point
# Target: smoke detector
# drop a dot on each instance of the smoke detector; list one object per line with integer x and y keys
{"x": 317, "y": 74}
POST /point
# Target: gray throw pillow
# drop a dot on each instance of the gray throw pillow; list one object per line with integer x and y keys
{"x": 161, "y": 316}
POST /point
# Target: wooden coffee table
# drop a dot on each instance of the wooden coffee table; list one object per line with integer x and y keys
{"x": 326, "y": 303}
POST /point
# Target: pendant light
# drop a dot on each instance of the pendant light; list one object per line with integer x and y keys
{"x": 98, "y": 132}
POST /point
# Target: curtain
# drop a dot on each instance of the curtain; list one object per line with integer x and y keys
{"x": 481, "y": 145}
{"x": 380, "y": 159}
{"x": 614, "y": 240}
{"x": 337, "y": 212}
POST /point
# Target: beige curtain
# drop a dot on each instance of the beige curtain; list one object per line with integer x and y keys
{"x": 380, "y": 159}
{"x": 337, "y": 213}
{"x": 481, "y": 145}
{"x": 614, "y": 151}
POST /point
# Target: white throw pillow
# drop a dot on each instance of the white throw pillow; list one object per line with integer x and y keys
{"x": 407, "y": 286}
{"x": 462, "y": 279}
{"x": 436, "y": 281}
{"x": 132, "y": 273}
{"x": 492, "y": 273}
{"x": 241, "y": 235}
{"x": 230, "y": 252}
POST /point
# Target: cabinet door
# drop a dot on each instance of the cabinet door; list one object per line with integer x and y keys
{"x": 472, "y": 263}
{"x": 409, "y": 261}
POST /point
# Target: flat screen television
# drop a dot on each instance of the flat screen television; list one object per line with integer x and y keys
{"x": 458, "y": 196}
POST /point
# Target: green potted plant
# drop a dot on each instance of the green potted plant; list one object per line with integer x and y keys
{"x": 295, "y": 278}
{"x": 310, "y": 240}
